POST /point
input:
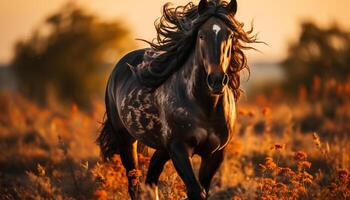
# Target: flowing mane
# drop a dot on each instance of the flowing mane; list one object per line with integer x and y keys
{"x": 176, "y": 37}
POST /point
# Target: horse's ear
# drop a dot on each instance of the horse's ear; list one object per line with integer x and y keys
{"x": 202, "y": 6}
{"x": 232, "y": 6}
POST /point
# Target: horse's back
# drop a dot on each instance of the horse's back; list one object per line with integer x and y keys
{"x": 122, "y": 71}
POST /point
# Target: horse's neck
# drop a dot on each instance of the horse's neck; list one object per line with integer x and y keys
{"x": 192, "y": 80}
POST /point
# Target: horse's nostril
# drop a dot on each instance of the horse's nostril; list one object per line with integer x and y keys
{"x": 210, "y": 81}
{"x": 225, "y": 79}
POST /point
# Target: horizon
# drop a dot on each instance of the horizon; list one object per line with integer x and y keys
{"x": 266, "y": 22}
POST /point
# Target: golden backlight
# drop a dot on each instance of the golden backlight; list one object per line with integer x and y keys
{"x": 277, "y": 21}
{"x": 291, "y": 123}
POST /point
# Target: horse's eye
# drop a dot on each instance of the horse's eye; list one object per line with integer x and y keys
{"x": 231, "y": 36}
{"x": 201, "y": 36}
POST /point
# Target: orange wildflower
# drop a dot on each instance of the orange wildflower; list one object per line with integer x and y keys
{"x": 278, "y": 146}
{"x": 343, "y": 175}
{"x": 270, "y": 164}
{"x": 236, "y": 198}
{"x": 100, "y": 194}
{"x": 251, "y": 114}
{"x": 286, "y": 171}
{"x": 266, "y": 111}
{"x": 242, "y": 112}
{"x": 305, "y": 164}
{"x": 134, "y": 173}
{"x": 300, "y": 156}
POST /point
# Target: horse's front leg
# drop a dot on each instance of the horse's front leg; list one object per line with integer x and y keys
{"x": 209, "y": 165}
{"x": 179, "y": 155}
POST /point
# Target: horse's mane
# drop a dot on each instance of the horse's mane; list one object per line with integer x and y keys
{"x": 176, "y": 36}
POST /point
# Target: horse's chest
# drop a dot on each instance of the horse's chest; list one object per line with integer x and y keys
{"x": 198, "y": 131}
{"x": 139, "y": 114}
{"x": 209, "y": 139}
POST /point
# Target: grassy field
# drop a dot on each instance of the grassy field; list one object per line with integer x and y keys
{"x": 281, "y": 150}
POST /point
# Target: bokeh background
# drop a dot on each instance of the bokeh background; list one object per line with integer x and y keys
{"x": 55, "y": 58}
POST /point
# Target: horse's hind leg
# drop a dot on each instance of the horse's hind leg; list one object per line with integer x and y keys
{"x": 128, "y": 155}
{"x": 155, "y": 168}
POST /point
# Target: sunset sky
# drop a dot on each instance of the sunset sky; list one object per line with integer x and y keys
{"x": 276, "y": 20}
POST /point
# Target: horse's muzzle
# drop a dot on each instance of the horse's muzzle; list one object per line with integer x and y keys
{"x": 217, "y": 82}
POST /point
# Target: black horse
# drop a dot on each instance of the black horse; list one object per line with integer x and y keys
{"x": 178, "y": 96}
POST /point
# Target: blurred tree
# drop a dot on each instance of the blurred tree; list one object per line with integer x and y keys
{"x": 319, "y": 55}
{"x": 68, "y": 56}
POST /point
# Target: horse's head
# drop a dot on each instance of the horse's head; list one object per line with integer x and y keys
{"x": 211, "y": 31}
{"x": 214, "y": 47}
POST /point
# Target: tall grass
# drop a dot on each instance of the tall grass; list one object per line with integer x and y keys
{"x": 296, "y": 150}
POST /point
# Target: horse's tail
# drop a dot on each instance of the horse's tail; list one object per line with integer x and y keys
{"x": 108, "y": 139}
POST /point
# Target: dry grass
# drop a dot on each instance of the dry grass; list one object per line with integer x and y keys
{"x": 50, "y": 154}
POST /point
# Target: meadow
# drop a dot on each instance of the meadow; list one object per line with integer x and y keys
{"x": 282, "y": 149}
